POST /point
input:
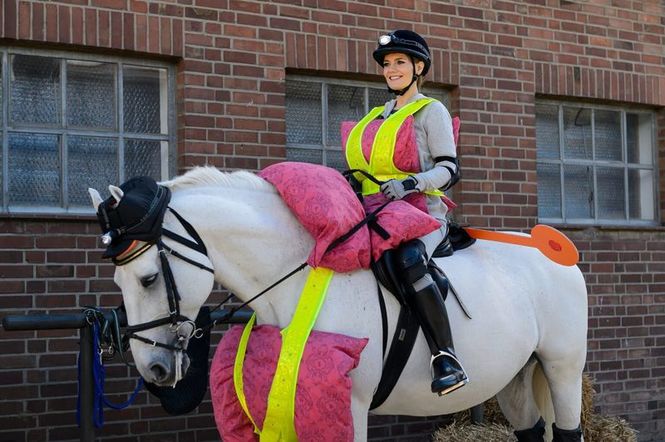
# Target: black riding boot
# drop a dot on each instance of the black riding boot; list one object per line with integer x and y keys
{"x": 425, "y": 298}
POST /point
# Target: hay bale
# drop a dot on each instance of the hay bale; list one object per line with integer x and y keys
{"x": 492, "y": 414}
{"x": 465, "y": 432}
{"x": 608, "y": 429}
{"x": 588, "y": 395}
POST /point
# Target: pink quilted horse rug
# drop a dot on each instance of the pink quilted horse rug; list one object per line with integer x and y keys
{"x": 323, "y": 395}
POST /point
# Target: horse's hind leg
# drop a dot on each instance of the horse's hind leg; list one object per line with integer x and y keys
{"x": 519, "y": 406}
{"x": 564, "y": 376}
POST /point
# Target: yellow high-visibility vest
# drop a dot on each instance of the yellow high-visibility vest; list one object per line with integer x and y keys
{"x": 381, "y": 164}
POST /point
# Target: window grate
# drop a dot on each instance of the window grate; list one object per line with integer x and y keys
{"x": 596, "y": 164}
{"x": 73, "y": 121}
{"x": 316, "y": 107}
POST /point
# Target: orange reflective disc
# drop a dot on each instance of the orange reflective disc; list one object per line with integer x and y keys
{"x": 551, "y": 243}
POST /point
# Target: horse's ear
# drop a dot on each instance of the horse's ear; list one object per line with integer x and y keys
{"x": 116, "y": 193}
{"x": 95, "y": 197}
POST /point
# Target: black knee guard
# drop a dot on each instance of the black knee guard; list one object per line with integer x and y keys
{"x": 411, "y": 261}
{"x": 560, "y": 435}
{"x": 533, "y": 434}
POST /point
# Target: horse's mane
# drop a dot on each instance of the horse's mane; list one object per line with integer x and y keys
{"x": 210, "y": 176}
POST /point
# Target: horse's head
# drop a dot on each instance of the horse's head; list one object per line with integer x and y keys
{"x": 162, "y": 270}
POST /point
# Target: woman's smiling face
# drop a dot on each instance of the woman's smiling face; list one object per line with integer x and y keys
{"x": 398, "y": 70}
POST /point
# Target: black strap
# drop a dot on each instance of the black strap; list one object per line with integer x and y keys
{"x": 368, "y": 175}
{"x": 400, "y": 350}
{"x": 197, "y": 244}
{"x": 186, "y": 259}
{"x": 172, "y": 295}
{"x": 370, "y": 220}
{"x": 384, "y": 319}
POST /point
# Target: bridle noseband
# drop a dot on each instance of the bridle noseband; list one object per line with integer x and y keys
{"x": 175, "y": 319}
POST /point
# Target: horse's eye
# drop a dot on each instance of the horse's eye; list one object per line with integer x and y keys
{"x": 148, "y": 280}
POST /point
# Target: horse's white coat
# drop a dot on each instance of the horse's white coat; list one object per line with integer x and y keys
{"x": 521, "y": 303}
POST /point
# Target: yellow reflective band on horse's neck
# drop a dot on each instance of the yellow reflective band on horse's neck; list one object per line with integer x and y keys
{"x": 238, "y": 382}
{"x": 279, "y": 423}
{"x": 381, "y": 164}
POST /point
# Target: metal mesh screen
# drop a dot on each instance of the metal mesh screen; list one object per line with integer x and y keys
{"x": 35, "y": 90}
{"x": 91, "y": 95}
{"x": 336, "y": 160}
{"x": 142, "y": 100}
{"x": 305, "y": 155}
{"x": 91, "y": 162}
{"x": 547, "y": 131}
{"x": 607, "y": 135}
{"x": 344, "y": 103}
{"x": 577, "y": 133}
{"x": 34, "y": 169}
{"x": 377, "y": 97}
{"x": 549, "y": 190}
{"x": 610, "y": 192}
{"x": 304, "y": 119}
{"x": 57, "y": 149}
{"x": 143, "y": 158}
{"x": 578, "y": 185}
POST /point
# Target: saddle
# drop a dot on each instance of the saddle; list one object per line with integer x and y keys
{"x": 407, "y": 328}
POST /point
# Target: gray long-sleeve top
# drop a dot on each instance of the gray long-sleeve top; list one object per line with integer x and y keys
{"x": 433, "y": 128}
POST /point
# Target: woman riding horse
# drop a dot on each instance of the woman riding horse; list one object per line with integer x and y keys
{"x": 418, "y": 165}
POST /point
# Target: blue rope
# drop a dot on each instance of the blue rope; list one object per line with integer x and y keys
{"x": 99, "y": 376}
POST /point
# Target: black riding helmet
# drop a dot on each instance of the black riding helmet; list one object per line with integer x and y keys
{"x": 404, "y": 41}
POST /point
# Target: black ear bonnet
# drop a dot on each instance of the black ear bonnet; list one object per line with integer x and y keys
{"x": 138, "y": 215}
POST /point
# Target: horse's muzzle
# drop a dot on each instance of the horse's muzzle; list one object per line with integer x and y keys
{"x": 163, "y": 373}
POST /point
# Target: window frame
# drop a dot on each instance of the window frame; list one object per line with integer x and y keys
{"x": 439, "y": 93}
{"x": 63, "y": 130}
{"x": 624, "y": 164}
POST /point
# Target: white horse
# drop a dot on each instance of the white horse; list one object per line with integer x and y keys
{"x": 523, "y": 305}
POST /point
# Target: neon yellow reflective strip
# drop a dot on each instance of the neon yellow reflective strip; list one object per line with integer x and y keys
{"x": 381, "y": 161}
{"x": 237, "y": 370}
{"x": 279, "y": 424}
{"x": 354, "y": 149}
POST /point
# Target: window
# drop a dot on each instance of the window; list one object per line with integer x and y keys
{"x": 315, "y": 109}
{"x": 596, "y": 165}
{"x": 70, "y": 122}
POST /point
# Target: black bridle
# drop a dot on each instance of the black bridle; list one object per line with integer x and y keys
{"x": 175, "y": 319}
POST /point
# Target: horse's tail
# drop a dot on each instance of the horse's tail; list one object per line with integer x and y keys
{"x": 543, "y": 397}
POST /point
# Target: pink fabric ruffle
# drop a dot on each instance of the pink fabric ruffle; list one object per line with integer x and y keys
{"x": 323, "y": 395}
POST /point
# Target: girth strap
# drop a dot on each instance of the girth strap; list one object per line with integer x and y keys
{"x": 400, "y": 351}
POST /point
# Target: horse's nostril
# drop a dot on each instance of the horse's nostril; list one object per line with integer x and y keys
{"x": 160, "y": 372}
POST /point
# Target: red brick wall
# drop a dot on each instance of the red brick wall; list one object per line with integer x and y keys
{"x": 232, "y": 57}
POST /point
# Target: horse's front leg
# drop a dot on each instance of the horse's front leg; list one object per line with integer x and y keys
{"x": 359, "y": 410}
